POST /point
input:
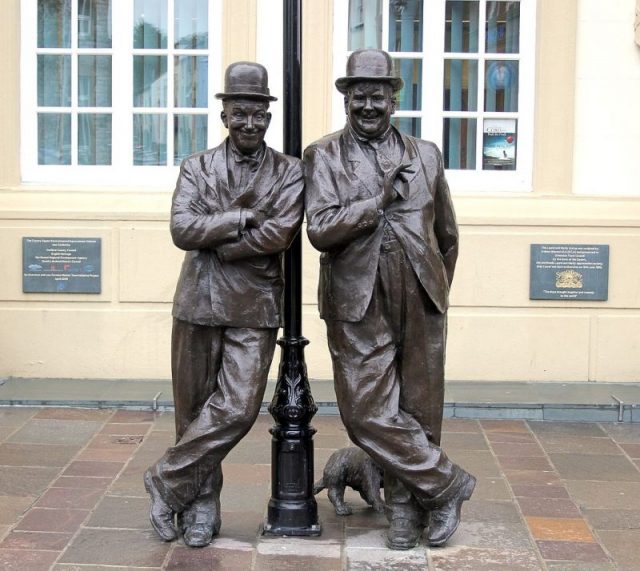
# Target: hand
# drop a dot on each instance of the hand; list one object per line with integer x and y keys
{"x": 253, "y": 218}
{"x": 389, "y": 194}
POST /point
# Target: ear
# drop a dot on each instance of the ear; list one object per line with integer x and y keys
{"x": 223, "y": 117}
{"x": 394, "y": 103}
{"x": 346, "y": 105}
{"x": 268, "y": 119}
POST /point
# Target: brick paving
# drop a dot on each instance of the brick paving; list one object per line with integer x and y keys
{"x": 557, "y": 496}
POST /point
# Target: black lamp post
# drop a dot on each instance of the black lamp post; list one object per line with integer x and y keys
{"x": 292, "y": 508}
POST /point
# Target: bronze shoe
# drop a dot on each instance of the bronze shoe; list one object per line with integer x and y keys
{"x": 403, "y": 533}
{"x": 200, "y": 521}
{"x": 444, "y": 521}
{"x": 160, "y": 514}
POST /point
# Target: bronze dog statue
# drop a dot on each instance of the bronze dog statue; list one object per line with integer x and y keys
{"x": 354, "y": 468}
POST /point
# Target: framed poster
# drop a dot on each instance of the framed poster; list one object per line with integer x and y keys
{"x": 499, "y": 144}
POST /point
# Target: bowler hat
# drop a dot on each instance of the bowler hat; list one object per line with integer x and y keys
{"x": 369, "y": 65}
{"x": 246, "y": 79}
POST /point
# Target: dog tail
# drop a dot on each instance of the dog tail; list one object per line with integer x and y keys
{"x": 318, "y": 486}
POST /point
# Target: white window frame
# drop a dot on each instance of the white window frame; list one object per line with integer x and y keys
{"x": 121, "y": 174}
{"x": 432, "y": 111}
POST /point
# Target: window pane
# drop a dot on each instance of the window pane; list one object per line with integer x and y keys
{"x": 499, "y": 142}
{"x": 191, "y": 24}
{"x": 501, "y": 86}
{"x": 94, "y": 81}
{"x": 149, "y": 139}
{"x": 405, "y": 25}
{"x": 150, "y": 24}
{"x": 407, "y": 125}
{"x": 461, "y": 26}
{"x": 459, "y": 139}
{"x": 190, "y": 81}
{"x": 365, "y": 24}
{"x": 94, "y": 139}
{"x": 54, "y": 23}
{"x": 503, "y": 27}
{"x": 410, "y": 98}
{"x": 149, "y": 81}
{"x": 54, "y": 81}
{"x": 190, "y": 132}
{"x": 460, "y": 85}
{"x": 94, "y": 23}
{"x": 54, "y": 138}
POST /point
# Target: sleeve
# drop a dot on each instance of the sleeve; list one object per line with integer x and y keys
{"x": 191, "y": 230}
{"x": 445, "y": 226}
{"x": 331, "y": 224}
{"x": 277, "y": 231}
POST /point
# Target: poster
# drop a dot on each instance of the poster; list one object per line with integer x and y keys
{"x": 499, "y": 144}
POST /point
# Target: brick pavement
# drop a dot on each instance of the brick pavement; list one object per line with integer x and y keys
{"x": 557, "y": 496}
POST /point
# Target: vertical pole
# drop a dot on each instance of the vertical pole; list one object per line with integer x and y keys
{"x": 292, "y": 509}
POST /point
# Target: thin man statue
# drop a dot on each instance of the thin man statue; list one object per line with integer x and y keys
{"x": 235, "y": 209}
{"x": 379, "y": 209}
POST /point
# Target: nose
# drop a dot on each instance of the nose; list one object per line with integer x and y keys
{"x": 368, "y": 104}
{"x": 249, "y": 124}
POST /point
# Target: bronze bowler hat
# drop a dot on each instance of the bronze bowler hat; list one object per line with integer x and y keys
{"x": 246, "y": 79}
{"x": 369, "y": 65}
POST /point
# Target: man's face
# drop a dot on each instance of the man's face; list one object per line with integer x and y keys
{"x": 247, "y": 121}
{"x": 369, "y": 105}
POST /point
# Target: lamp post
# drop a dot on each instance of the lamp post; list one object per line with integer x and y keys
{"x": 292, "y": 508}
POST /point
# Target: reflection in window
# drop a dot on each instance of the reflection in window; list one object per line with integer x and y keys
{"x": 54, "y": 138}
{"x": 190, "y": 81}
{"x": 94, "y": 139}
{"x": 54, "y": 23}
{"x": 461, "y": 26}
{"x": 405, "y": 25}
{"x": 150, "y": 24}
{"x": 149, "y": 81}
{"x": 150, "y": 139}
{"x": 460, "y": 85}
{"x": 365, "y": 24}
{"x": 94, "y": 23}
{"x": 501, "y": 86}
{"x": 190, "y": 30}
{"x": 503, "y": 27}
{"x": 190, "y": 135}
{"x": 409, "y": 125}
{"x": 410, "y": 70}
{"x": 459, "y": 143}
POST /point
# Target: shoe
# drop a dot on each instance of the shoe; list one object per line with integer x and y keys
{"x": 198, "y": 535}
{"x": 200, "y": 521}
{"x": 444, "y": 521}
{"x": 403, "y": 533}
{"x": 160, "y": 514}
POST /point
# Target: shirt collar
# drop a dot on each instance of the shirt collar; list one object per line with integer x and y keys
{"x": 253, "y": 160}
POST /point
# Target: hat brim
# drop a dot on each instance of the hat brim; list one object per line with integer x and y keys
{"x": 245, "y": 95}
{"x": 343, "y": 83}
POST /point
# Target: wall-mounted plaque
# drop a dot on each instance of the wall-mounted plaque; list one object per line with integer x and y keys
{"x": 61, "y": 265}
{"x": 569, "y": 272}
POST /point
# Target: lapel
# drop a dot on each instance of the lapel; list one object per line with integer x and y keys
{"x": 260, "y": 185}
{"x": 215, "y": 176}
{"x": 357, "y": 165}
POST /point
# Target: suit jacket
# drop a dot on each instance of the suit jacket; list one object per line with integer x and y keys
{"x": 343, "y": 222}
{"x": 233, "y": 276}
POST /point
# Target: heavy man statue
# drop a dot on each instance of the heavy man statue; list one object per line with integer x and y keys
{"x": 379, "y": 210}
{"x": 235, "y": 209}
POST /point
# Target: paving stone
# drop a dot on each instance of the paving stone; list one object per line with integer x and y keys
{"x": 245, "y": 498}
{"x": 464, "y": 441}
{"x": 208, "y": 558}
{"x": 623, "y": 547}
{"x": 542, "y": 478}
{"x": 117, "y": 547}
{"x": 129, "y": 483}
{"x": 240, "y": 474}
{"x": 244, "y": 525}
{"x": 15, "y": 416}
{"x": 19, "y": 481}
{"x": 491, "y": 489}
{"x": 333, "y": 441}
{"x": 462, "y": 558}
{"x": 623, "y": 432}
{"x": 632, "y": 450}
{"x": 607, "y": 495}
{"x": 59, "y": 520}
{"x": 613, "y": 519}
{"x": 12, "y": 507}
{"x": 365, "y": 538}
{"x": 537, "y": 463}
{"x": 6, "y": 431}
{"x": 328, "y": 425}
{"x": 582, "y": 566}
{"x": 120, "y": 455}
{"x": 251, "y": 453}
{"x": 362, "y": 517}
{"x": 82, "y": 482}
{"x": 545, "y": 507}
{"x": 59, "y": 413}
{"x": 128, "y": 429}
{"x": 559, "y": 529}
{"x": 94, "y": 469}
{"x": 361, "y": 559}
{"x": 127, "y": 416}
{"x": 572, "y": 551}
{"x": 66, "y": 432}
{"x": 36, "y": 540}
{"x": 480, "y": 463}
{"x": 504, "y": 426}
{"x": 516, "y": 449}
{"x": 588, "y": 467}
{"x": 524, "y": 437}
{"x": 64, "y": 567}
{"x": 580, "y": 445}
{"x": 20, "y": 560}
{"x": 293, "y": 562}
{"x": 124, "y": 513}
{"x": 539, "y": 491}
{"x": 165, "y": 421}
{"x": 12, "y": 454}
{"x": 76, "y": 497}
{"x": 460, "y": 425}
{"x": 546, "y": 429}
{"x": 331, "y": 538}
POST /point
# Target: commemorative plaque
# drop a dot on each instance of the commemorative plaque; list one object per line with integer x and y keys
{"x": 569, "y": 272}
{"x": 61, "y": 265}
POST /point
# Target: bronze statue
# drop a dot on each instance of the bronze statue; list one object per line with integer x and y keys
{"x": 379, "y": 209}
{"x": 235, "y": 209}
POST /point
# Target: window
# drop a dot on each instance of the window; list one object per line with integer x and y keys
{"x": 468, "y": 71}
{"x": 121, "y": 91}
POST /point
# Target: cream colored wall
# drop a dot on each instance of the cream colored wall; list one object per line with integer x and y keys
{"x": 496, "y": 332}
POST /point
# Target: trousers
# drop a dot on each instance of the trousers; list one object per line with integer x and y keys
{"x": 219, "y": 379}
{"x": 389, "y": 380}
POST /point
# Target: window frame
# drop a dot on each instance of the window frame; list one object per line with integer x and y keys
{"x": 432, "y": 112}
{"x": 121, "y": 174}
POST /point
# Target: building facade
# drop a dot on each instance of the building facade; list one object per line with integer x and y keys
{"x": 534, "y": 103}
